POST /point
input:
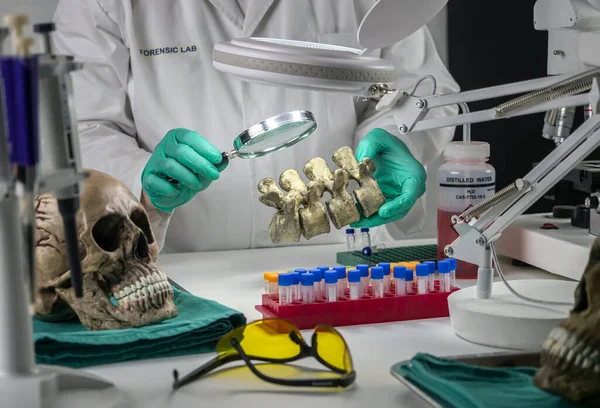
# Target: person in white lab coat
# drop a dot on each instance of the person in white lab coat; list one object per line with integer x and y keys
{"x": 150, "y": 104}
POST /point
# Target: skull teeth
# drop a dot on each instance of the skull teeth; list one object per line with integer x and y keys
{"x": 568, "y": 349}
{"x": 144, "y": 286}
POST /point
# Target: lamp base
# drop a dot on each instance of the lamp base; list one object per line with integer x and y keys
{"x": 53, "y": 387}
{"x": 506, "y": 321}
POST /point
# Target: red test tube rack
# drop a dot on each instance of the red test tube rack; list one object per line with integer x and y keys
{"x": 366, "y": 310}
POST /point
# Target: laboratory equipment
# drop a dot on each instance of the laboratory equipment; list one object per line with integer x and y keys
{"x": 271, "y": 279}
{"x": 364, "y": 278}
{"x": 377, "y": 282}
{"x": 308, "y": 291}
{"x": 256, "y": 340}
{"x": 422, "y": 272}
{"x": 365, "y": 237}
{"x": 409, "y": 281}
{"x": 319, "y": 284}
{"x": 395, "y": 254}
{"x": 272, "y": 135}
{"x": 36, "y": 117}
{"x": 464, "y": 180}
{"x": 521, "y": 314}
{"x": 350, "y": 239}
{"x": 444, "y": 268}
{"x": 295, "y": 286}
{"x": 355, "y": 309}
{"x": 431, "y": 276}
{"x": 284, "y": 282}
{"x": 453, "y": 264}
{"x": 387, "y": 278}
{"x": 331, "y": 280}
{"x": 354, "y": 284}
{"x": 400, "y": 280}
{"x": 342, "y": 281}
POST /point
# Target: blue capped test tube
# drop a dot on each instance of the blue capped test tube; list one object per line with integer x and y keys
{"x": 354, "y": 284}
{"x": 341, "y": 271}
{"x": 377, "y": 281}
{"x": 399, "y": 280}
{"x": 295, "y": 276}
{"x": 364, "y": 279}
{"x": 284, "y": 281}
{"x": 444, "y": 268}
{"x": 422, "y": 278}
{"x": 331, "y": 286}
{"x": 350, "y": 239}
{"x": 409, "y": 281}
{"x": 318, "y": 282}
{"x": 387, "y": 277}
{"x": 307, "y": 280}
{"x": 299, "y": 271}
{"x": 430, "y": 276}
{"x": 452, "y": 273}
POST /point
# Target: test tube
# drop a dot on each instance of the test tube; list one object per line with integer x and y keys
{"x": 270, "y": 283}
{"x": 409, "y": 281}
{"x": 399, "y": 280}
{"x": 331, "y": 286}
{"x": 444, "y": 268}
{"x": 387, "y": 277}
{"x": 341, "y": 271}
{"x": 284, "y": 282}
{"x": 377, "y": 281}
{"x": 318, "y": 281}
{"x": 365, "y": 238}
{"x": 364, "y": 278}
{"x": 431, "y": 276}
{"x": 452, "y": 273}
{"x": 296, "y": 294}
{"x": 422, "y": 278}
{"x": 354, "y": 284}
{"x": 308, "y": 291}
{"x": 350, "y": 239}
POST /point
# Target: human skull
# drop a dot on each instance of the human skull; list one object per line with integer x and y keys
{"x": 570, "y": 357}
{"x": 122, "y": 285}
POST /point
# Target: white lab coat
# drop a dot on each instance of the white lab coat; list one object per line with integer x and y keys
{"x": 127, "y": 98}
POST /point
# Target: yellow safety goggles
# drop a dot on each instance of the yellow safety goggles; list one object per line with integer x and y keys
{"x": 277, "y": 341}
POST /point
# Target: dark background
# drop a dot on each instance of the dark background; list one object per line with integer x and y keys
{"x": 492, "y": 44}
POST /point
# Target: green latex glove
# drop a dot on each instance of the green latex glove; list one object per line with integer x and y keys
{"x": 189, "y": 160}
{"x": 400, "y": 176}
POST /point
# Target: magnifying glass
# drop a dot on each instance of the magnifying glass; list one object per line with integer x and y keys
{"x": 271, "y": 135}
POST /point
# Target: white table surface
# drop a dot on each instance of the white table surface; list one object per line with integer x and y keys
{"x": 234, "y": 278}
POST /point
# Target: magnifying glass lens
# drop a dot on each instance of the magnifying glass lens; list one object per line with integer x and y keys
{"x": 277, "y": 138}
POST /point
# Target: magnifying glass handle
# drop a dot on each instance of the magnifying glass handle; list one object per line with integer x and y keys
{"x": 223, "y": 163}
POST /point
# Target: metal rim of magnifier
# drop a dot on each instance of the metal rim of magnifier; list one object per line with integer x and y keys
{"x": 271, "y": 124}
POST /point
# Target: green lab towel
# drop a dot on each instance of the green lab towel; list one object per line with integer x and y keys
{"x": 458, "y": 385}
{"x": 197, "y": 328}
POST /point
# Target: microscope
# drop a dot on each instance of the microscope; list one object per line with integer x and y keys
{"x": 39, "y": 153}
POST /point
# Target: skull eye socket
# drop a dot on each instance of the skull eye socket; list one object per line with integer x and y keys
{"x": 106, "y": 232}
{"x": 140, "y": 219}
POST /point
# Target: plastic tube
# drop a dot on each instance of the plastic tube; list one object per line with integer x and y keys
{"x": 444, "y": 268}
{"x": 409, "y": 281}
{"x": 387, "y": 277}
{"x": 377, "y": 281}
{"x": 331, "y": 286}
{"x": 341, "y": 271}
{"x": 452, "y": 273}
{"x": 318, "y": 283}
{"x": 364, "y": 279}
{"x": 431, "y": 276}
{"x": 365, "y": 237}
{"x": 307, "y": 281}
{"x": 399, "y": 280}
{"x": 354, "y": 284}
{"x": 285, "y": 289}
{"x": 295, "y": 286}
{"x": 350, "y": 239}
{"x": 422, "y": 278}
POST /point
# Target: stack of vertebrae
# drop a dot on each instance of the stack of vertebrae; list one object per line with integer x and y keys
{"x": 300, "y": 211}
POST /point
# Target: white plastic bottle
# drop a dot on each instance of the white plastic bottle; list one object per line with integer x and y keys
{"x": 466, "y": 179}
